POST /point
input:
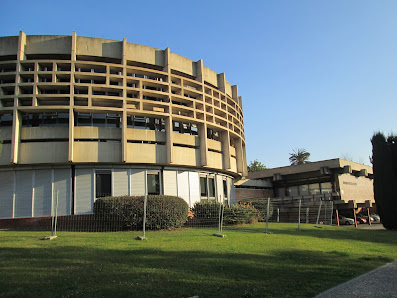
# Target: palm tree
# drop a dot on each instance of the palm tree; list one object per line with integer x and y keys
{"x": 299, "y": 157}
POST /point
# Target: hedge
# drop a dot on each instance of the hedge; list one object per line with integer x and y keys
{"x": 126, "y": 212}
{"x": 207, "y": 213}
{"x": 260, "y": 204}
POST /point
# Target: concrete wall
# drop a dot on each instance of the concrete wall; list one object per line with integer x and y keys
{"x": 247, "y": 193}
{"x": 359, "y": 189}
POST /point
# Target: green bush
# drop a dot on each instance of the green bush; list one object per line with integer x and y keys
{"x": 126, "y": 212}
{"x": 207, "y": 212}
{"x": 260, "y": 204}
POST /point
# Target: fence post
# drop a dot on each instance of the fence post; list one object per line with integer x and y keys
{"x": 299, "y": 215}
{"x": 278, "y": 214}
{"x": 220, "y": 221}
{"x": 143, "y": 237}
{"x": 267, "y": 216}
{"x": 318, "y": 214}
{"x": 307, "y": 214}
{"x": 56, "y": 215}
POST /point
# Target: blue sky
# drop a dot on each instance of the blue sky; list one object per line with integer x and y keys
{"x": 318, "y": 75}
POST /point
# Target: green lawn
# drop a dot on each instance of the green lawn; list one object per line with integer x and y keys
{"x": 188, "y": 262}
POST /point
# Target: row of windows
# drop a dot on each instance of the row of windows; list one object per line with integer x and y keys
{"x": 104, "y": 120}
{"x": 303, "y": 190}
{"x": 103, "y": 184}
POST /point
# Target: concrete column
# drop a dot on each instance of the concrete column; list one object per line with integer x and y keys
{"x": 71, "y": 110}
{"x": 16, "y": 138}
{"x": 221, "y": 82}
{"x": 199, "y": 71}
{"x": 239, "y": 155}
{"x": 124, "y": 151}
{"x": 202, "y": 133}
{"x": 235, "y": 92}
{"x": 71, "y": 135}
{"x": 245, "y": 169}
{"x": 167, "y": 62}
{"x": 225, "y": 139}
{"x": 17, "y": 121}
{"x": 169, "y": 142}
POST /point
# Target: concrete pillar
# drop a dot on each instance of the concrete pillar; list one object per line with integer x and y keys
{"x": 239, "y": 155}
{"x": 225, "y": 141}
{"x": 221, "y": 82}
{"x": 202, "y": 133}
{"x": 124, "y": 151}
{"x": 16, "y": 138}
{"x": 199, "y": 71}
{"x": 71, "y": 110}
{"x": 169, "y": 142}
{"x": 71, "y": 134}
{"x": 74, "y": 46}
{"x": 167, "y": 62}
{"x": 235, "y": 93}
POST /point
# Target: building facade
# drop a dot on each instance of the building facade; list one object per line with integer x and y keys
{"x": 84, "y": 117}
{"x": 336, "y": 179}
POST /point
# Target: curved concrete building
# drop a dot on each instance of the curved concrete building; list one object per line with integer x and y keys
{"x": 87, "y": 117}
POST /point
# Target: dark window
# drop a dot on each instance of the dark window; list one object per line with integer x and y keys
{"x": 103, "y": 183}
{"x": 211, "y": 187}
{"x": 153, "y": 183}
{"x": 203, "y": 186}
{"x": 224, "y": 189}
{"x": 5, "y": 120}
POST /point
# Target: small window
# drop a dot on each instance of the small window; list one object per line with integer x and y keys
{"x": 211, "y": 187}
{"x": 225, "y": 189}
{"x": 153, "y": 182}
{"x": 103, "y": 183}
{"x": 203, "y": 186}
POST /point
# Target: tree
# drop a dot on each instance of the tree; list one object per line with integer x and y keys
{"x": 384, "y": 160}
{"x": 299, "y": 157}
{"x": 256, "y": 166}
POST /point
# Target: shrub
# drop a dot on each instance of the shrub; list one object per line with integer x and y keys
{"x": 207, "y": 212}
{"x": 126, "y": 212}
{"x": 260, "y": 204}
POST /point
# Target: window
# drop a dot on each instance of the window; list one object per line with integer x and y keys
{"x": 97, "y": 120}
{"x": 207, "y": 187}
{"x": 225, "y": 189}
{"x": 45, "y": 119}
{"x": 153, "y": 182}
{"x": 203, "y": 186}
{"x": 103, "y": 183}
{"x": 140, "y": 122}
{"x": 326, "y": 187}
{"x": 314, "y": 189}
{"x": 5, "y": 120}
{"x": 212, "y": 134}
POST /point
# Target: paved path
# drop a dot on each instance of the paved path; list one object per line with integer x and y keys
{"x": 381, "y": 282}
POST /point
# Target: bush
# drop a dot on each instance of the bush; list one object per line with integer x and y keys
{"x": 207, "y": 212}
{"x": 260, "y": 204}
{"x": 126, "y": 212}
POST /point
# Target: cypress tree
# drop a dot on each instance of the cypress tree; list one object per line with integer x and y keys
{"x": 384, "y": 160}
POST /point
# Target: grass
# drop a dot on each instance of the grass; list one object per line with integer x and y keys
{"x": 188, "y": 262}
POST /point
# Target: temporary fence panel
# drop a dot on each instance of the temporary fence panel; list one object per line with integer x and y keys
{"x": 194, "y": 188}
{"x": 232, "y": 193}
{"x": 84, "y": 191}
{"x": 183, "y": 186}
{"x": 42, "y": 193}
{"x": 170, "y": 184}
{"x": 120, "y": 182}
{"x": 23, "y": 193}
{"x": 137, "y": 182}
{"x": 219, "y": 188}
{"x": 62, "y": 186}
{"x": 6, "y": 194}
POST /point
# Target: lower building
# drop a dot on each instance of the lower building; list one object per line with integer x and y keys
{"x": 336, "y": 179}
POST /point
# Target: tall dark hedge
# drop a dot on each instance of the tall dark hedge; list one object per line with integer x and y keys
{"x": 384, "y": 160}
{"x": 126, "y": 212}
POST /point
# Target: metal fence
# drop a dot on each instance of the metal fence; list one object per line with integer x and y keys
{"x": 148, "y": 213}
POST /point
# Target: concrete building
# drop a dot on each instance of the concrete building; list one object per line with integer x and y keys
{"x": 337, "y": 179}
{"x": 87, "y": 117}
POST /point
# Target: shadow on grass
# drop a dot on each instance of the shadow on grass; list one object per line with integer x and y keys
{"x": 326, "y": 232}
{"x": 148, "y": 272}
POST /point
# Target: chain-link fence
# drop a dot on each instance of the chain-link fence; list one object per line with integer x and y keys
{"x": 161, "y": 212}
